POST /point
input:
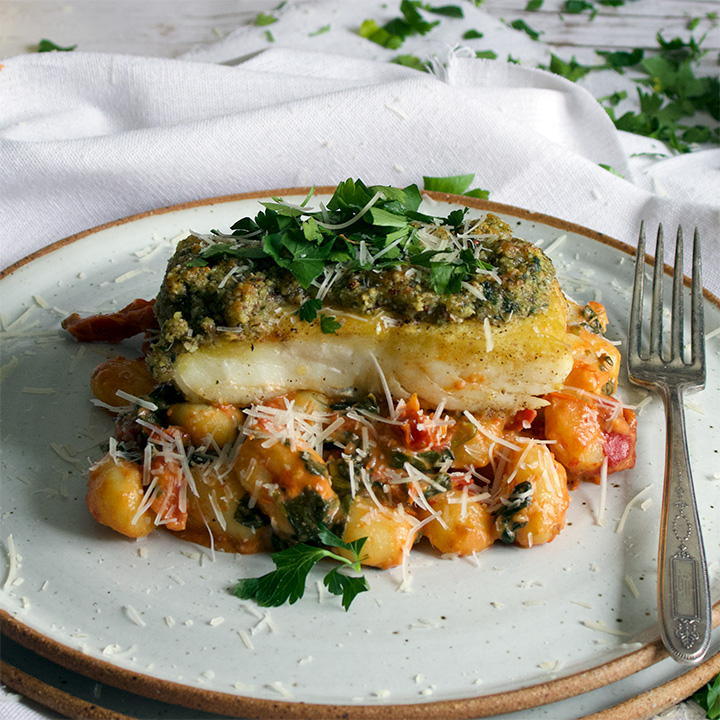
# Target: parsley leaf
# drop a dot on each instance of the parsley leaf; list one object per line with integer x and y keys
{"x": 472, "y": 35}
{"x": 572, "y": 70}
{"x": 620, "y": 58}
{"x": 708, "y": 698}
{"x": 262, "y": 19}
{"x": 574, "y": 7}
{"x": 320, "y": 31}
{"x": 411, "y": 61}
{"x": 454, "y": 184}
{"x": 533, "y": 5}
{"x": 49, "y": 46}
{"x": 292, "y": 566}
{"x": 393, "y": 33}
{"x": 522, "y": 25}
{"x": 611, "y": 169}
{"x": 452, "y": 11}
{"x": 309, "y": 309}
{"x": 328, "y": 324}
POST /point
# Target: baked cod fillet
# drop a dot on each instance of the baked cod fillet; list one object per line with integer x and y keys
{"x": 466, "y": 315}
{"x": 469, "y": 366}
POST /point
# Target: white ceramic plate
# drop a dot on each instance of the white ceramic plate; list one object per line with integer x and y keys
{"x": 512, "y": 628}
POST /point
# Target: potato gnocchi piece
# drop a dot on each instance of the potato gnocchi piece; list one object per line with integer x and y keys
{"x": 389, "y": 532}
{"x": 464, "y": 524}
{"x": 115, "y": 496}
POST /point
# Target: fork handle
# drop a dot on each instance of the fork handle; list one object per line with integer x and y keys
{"x": 683, "y": 588}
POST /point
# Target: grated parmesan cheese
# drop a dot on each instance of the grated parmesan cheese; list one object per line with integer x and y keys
{"x": 133, "y": 615}
{"x": 278, "y": 687}
{"x": 245, "y": 639}
{"x": 600, "y": 517}
{"x": 489, "y": 343}
{"x": 137, "y": 401}
{"x": 626, "y": 511}
{"x": 12, "y": 562}
{"x": 8, "y": 367}
{"x": 600, "y": 626}
{"x": 633, "y": 587}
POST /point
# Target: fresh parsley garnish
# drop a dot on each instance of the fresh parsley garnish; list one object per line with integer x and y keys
{"x": 453, "y": 11}
{"x": 522, "y": 25}
{"x": 309, "y": 309}
{"x": 411, "y": 61}
{"x": 393, "y": 33}
{"x": 262, "y": 19}
{"x": 49, "y": 46}
{"x": 611, "y": 169}
{"x": 328, "y": 324}
{"x": 574, "y": 7}
{"x": 360, "y": 228}
{"x": 455, "y": 184}
{"x": 292, "y": 566}
{"x": 320, "y": 31}
{"x": 708, "y": 698}
{"x": 670, "y": 94}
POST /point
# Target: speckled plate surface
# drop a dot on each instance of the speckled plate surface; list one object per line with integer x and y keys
{"x": 512, "y": 628}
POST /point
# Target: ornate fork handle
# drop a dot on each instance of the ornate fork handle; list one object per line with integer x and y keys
{"x": 683, "y": 592}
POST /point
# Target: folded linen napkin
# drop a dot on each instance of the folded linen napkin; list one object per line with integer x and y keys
{"x": 87, "y": 138}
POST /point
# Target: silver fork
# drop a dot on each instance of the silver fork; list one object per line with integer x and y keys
{"x": 683, "y": 589}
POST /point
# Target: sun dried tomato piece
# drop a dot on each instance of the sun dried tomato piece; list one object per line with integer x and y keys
{"x": 133, "y": 319}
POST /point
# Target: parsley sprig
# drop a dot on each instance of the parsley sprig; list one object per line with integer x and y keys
{"x": 394, "y": 32}
{"x": 287, "y": 582}
{"x": 708, "y": 697}
{"x": 670, "y": 94}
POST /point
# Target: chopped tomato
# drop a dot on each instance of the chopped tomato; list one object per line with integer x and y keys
{"x": 419, "y": 431}
{"x": 522, "y": 420}
{"x": 133, "y": 319}
{"x": 619, "y": 442}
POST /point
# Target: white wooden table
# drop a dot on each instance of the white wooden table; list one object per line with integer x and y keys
{"x": 168, "y": 28}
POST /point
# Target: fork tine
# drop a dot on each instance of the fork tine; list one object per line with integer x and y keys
{"x": 697, "y": 315}
{"x": 677, "y": 330}
{"x": 656, "y": 314}
{"x": 636, "y": 309}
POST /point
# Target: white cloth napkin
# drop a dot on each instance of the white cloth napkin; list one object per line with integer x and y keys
{"x": 88, "y": 138}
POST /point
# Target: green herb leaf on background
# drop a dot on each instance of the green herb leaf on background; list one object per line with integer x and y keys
{"x": 49, "y": 46}
{"x": 708, "y": 698}
{"x": 320, "y": 31}
{"x": 522, "y": 25}
{"x": 262, "y": 19}
{"x": 454, "y": 184}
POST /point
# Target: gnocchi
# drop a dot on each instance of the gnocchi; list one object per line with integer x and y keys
{"x": 392, "y": 473}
